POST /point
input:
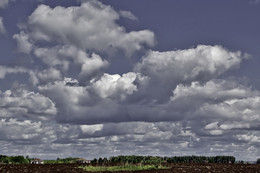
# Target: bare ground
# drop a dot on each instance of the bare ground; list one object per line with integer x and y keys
{"x": 175, "y": 168}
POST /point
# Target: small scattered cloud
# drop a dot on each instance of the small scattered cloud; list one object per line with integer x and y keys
{"x": 23, "y": 42}
{"x": 2, "y": 28}
{"x": 4, "y": 3}
{"x": 4, "y": 70}
{"x": 128, "y": 15}
{"x": 255, "y": 1}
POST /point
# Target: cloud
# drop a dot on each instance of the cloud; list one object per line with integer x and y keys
{"x": 63, "y": 58}
{"x": 91, "y": 26}
{"x": 98, "y": 101}
{"x": 217, "y": 108}
{"x": 22, "y": 132}
{"x": 214, "y": 100}
{"x": 23, "y": 43}
{"x": 215, "y": 91}
{"x": 4, "y": 3}
{"x": 91, "y": 67}
{"x": 2, "y": 28}
{"x": 45, "y": 76}
{"x": 168, "y": 69}
{"x": 9, "y": 70}
{"x": 115, "y": 86}
{"x": 201, "y": 63}
{"x": 21, "y": 103}
{"x": 218, "y": 98}
{"x": 255, "y": 1}
{"x": 249, "y": 138}
{"x": 127, "y": 14}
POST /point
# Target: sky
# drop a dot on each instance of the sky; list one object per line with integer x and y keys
{"x": 101, "y": 78}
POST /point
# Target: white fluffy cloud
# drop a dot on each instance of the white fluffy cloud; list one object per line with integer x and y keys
{"x": 91, "y": 26}
{"x": 218, "y": 109}
{"x": 115, "y": 86}
{"x": 238, "y": 109}
{"x": 98, "y": 102}
{"x": 22, "y": 131}
{"x": 23, "y": 43}
{"x": 45, "y": 76}
{"x": 212, "y": 91}
{"x": 200, "y": 63}
{"x": 20, "y": 103}
{"x": 218, "y": 98}
{"x": 66, "y": 57}
{"x": 91, "y": 67}
{"x": 168, "y": 69}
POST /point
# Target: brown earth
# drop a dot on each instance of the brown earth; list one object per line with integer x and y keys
{"x": 175, "y": 168}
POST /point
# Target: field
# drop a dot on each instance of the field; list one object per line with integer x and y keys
{"x": 177, "y": 168}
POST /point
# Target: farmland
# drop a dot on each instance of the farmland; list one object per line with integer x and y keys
{"x": 177, "y": 168}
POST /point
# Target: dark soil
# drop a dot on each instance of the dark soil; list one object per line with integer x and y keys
{"x": 175, "y": 168}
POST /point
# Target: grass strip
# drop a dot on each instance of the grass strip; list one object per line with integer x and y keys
{"x": 122, "y": 168}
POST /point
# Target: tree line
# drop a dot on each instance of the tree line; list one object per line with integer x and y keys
{"x": 14, "y": 159}
{"x": 159, "y": 160}
{"x": 132, "y": 159}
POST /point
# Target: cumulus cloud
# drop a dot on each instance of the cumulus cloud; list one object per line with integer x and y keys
{"x": 168, "y": 69}
{"x": 23, "y": 43}
{"x": 201, "y": 63}
{"x": 45, "y": 76}
{"x": 22, "y": 132}
{"x": 91, "y": 67}
{"x": 213, "y": 91}
{"x": 91, "y": 26}
{"x": 98, "y": 101}
{"x": 218, "y": 98}
{"x": 67, "y": 57}
{"x": 115, "y": 86}
{"x": 21, "y": 103}
{"x": 217, "y": 108}
{"x": 2, "y": 28}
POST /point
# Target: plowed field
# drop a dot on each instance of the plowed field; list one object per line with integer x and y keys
{"x": 177, "y": 168}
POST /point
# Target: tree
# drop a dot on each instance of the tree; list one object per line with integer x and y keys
{"x": 19, "y": 159}
{"x": 258, "y": 161}
{"x": 100, "y": 161}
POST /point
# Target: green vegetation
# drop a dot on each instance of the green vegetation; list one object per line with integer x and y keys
{"x": 124, "y": 160}
{"x": 14, "y": 159}
{"x": 128, "y": 160}
{"x": 122, "y": 168}
{"x": 60, "y": 161}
